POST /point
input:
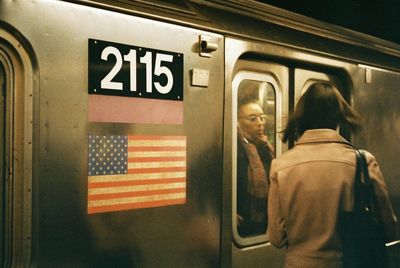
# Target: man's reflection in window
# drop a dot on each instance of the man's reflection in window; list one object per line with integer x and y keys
{"x": 254, "y": 158}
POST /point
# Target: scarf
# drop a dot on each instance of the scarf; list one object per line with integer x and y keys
{"x": 257, "y": 183}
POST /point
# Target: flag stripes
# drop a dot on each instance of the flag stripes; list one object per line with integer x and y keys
{"x": 126, "y": 206}
{"x": 152, "y": 148}
{"x": 146, "y": 192}
{"x": 154, "y": 164}
{"x": 158, "y": 154}
{"x": 136, "y": 188}
{"x": 152, "y": 159}
{"x": 155, "y": 175}
{"x": 132, "y": 177}
{"x": 94, "y": 185}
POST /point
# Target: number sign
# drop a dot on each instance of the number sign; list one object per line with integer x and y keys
{"x": 124, "y": 70}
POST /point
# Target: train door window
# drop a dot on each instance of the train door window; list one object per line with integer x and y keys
{"x": 305, "y": 78}
{"x": 254, "y": 137}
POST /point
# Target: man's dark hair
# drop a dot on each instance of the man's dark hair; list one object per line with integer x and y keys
{"x": 244, "y": 100}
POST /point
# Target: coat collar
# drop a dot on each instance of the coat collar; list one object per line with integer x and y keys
{"x": 321, "y": 135}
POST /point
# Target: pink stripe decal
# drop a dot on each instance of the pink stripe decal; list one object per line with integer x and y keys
{"x": 116, "y": 109}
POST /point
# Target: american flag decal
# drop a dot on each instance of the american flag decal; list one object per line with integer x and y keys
{"x": 129, "y": 172}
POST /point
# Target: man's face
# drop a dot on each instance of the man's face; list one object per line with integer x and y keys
{"x": 251, "y": 120}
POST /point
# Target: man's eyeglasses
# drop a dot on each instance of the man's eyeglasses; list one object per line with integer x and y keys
{"x": 253, "y": 118}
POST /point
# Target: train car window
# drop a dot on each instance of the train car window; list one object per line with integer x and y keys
{"x": 254, "y": 128}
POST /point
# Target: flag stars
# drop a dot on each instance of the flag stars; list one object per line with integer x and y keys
{"x": 107, "y": 154}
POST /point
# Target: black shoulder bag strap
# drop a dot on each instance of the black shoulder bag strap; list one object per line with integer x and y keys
{"x": 370, "y": 227}
{"x": 366, "y": 193}
{"x": 359, "y": 189}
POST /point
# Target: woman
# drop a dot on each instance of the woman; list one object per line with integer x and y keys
{"x": 254, "y": 158}
{"x": 313, "y": 182}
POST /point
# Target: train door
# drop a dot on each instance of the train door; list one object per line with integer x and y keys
{"x": 264, "y": 84}
{"x": 16, "y": 103}
{"x": 258, "y": 72}
{"x": 2, "y": 162}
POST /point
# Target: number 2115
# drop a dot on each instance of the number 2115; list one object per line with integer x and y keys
{"x": 131, "y": 57}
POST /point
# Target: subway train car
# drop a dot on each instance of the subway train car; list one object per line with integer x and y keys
{"x": 119, "y": 124}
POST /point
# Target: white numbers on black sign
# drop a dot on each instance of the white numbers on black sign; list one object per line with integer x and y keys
{"x": 159, "y": 69}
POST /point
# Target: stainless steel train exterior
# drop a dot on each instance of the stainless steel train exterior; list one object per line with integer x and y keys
{"x": 55, "y": 58}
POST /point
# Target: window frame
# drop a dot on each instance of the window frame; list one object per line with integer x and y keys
{"x": 238, "y": 78}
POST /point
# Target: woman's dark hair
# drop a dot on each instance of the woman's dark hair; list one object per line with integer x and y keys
{"x": 321, "y": 106}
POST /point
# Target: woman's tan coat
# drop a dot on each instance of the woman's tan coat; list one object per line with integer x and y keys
{"x": 310, "y": 184}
